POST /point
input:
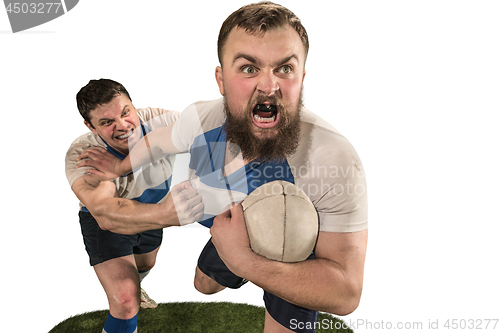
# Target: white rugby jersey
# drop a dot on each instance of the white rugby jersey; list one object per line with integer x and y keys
{"x": 325, "y": 166}
{"x": 149, "y": 184}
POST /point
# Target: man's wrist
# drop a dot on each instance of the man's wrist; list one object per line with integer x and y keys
{"x": 122, "y": 168}
{"x": 251, "y": 261}
{"x": 168, "y": 215}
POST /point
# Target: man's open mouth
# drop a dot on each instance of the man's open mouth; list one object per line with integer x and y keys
{"x": 265, "y": 115}
{"x": 126, "y": 135}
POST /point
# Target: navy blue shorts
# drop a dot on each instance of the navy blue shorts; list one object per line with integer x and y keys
{"x": 285, "y": 313}
{"x": 102, "y": 245}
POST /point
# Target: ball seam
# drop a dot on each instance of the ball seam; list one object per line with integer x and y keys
{"x": 293, "y": 195}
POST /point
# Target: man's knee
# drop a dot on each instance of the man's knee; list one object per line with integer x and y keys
{"x": 205, "y": 284}
{"x": 127, "y": 298}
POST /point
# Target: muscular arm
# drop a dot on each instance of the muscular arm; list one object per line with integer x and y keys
{"x": 130, "y": 217}
{"x": 332, "y": 282}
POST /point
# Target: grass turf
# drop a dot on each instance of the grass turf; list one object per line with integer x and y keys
{"x": 193, "y": 317}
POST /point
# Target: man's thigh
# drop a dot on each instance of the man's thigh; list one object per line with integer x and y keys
{"x": 146, "y": 261}
{"x": 212, "y": 266}
{"x": 280, "y": 312}
{"x": 272, "y": 326}
{"x": 291, "y": 317}
{"x": 104, "y": 245}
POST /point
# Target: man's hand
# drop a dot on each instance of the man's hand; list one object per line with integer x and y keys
{"x": 230, "y": 238}
{"x": 105, "y": 165}
{"x": 185, "y": 203}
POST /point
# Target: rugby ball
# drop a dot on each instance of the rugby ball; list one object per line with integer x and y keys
{"x": 281, "y": 221}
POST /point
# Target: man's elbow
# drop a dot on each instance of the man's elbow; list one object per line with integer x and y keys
{"x": 348, "y": 304}
{"x": 99, "y": 213}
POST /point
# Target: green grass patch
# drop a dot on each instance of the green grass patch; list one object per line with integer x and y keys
{"x": 189, "y": 317}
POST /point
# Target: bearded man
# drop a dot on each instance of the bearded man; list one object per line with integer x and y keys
{"x": 257, "y": 133}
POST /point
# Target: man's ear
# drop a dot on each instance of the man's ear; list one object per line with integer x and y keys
{"x": 218, "y": 78}
{"x": 90, "y": 127}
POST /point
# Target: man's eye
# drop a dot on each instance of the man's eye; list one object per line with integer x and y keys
{"x": 287, "y": 69}
{"x": 106, "y": 123}
{"x": 248, "y": 70}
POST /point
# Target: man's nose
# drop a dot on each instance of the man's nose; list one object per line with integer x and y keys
{"x": 121, "y": 124}
{"x": 268, "y": 83}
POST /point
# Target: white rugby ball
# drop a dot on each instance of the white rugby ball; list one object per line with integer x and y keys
{"x": 281, "y": 221}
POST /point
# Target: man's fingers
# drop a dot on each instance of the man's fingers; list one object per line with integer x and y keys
{"x": 184, "y": 194}
{"x": 82, "y": 156}
{"x": 95, "y": 172}
{"x": 189, "y": 192}
{"x": 88, "y": 163}
{"x": 85, "y": 163}
{"x": 87, "y": 153}
{"x": 199, "y": 211}
{"x": 175, "y": 190}
{"x": 194, "y": 200}
{"x": 237, "y": 211}
{"x": 187, "y": 202}
{"x": 225, "y": 214}
{"x": 185, "y": 185}
{"x": 188, "y": 214}
{"x": 96, "y": 149}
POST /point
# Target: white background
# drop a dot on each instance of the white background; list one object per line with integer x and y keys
{"x": 414, "y": 85}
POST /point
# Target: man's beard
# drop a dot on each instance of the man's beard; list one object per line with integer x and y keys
{"x": 265, "y": 147}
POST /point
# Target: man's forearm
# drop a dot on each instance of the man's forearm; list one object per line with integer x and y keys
{"x": 320, "y": 284}
{"x": 153, "y": 146}
{"x": 130, "y": 217}
{"x": 317, "y": 284}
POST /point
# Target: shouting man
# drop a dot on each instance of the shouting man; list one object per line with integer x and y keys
{"x": 257, "y": 133}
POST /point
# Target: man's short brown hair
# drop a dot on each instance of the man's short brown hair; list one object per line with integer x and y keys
{"x": 96, "y": 93}
{"x": 258, "y": 18}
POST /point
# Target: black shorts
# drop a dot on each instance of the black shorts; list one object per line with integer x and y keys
{"x": 285, "y": 313}
{"x": 102, "y": 245}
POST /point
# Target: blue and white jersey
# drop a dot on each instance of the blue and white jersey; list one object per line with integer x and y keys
{"x": 149, "y": 184}
{"x": 325, "y": 166}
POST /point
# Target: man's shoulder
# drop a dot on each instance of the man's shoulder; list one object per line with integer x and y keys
{"x": 317, "y": 132}
{"x": 157, "y": 117}
{"x": 322, "y": 149}
{"x": 196, "y": 120}
{"x": 84, "y": 141}
{"x": 327, "y": 167}
{"x": 211, "y": 105}
{"x": 87, "y": 140}
{"x": 210, "y": 113}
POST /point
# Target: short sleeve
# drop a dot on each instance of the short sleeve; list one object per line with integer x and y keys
{"x": 342, "y": 205}
{"x": 76, "y": 148}
{"x": 329, "y": 170}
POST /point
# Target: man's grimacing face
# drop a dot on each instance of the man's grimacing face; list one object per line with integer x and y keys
{"x": 116, "y": 123}
{"x": 261, "y": 78}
